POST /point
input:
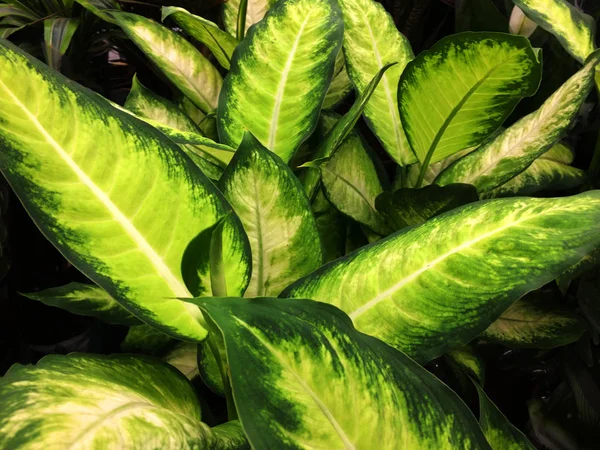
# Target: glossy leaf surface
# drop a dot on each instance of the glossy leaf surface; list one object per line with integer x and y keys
{"x": 255, "y": 11}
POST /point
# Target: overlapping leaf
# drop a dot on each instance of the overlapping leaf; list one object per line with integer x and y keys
{"x": 255, "y": 11}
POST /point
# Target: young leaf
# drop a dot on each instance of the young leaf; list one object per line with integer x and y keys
{"x": 175, "y": 57}
{"x": 58, "y": 33}
{"x": 340, "y": 85}
{"x": 499, "y": 432}
{"x": 93, "y": 401}
{"x": 512, "y": 151}
{"x": 184, "y": 357}
{"x": 220, "y": 43}
{"x": 467, "y": 359}
{"x": 488, "y": 72}
{"x": 574, "y": 29}
{"x": 280, "y": 75}
{"x": 409, "y": 207}
{"x": 535, "y": 322}
{"x": 442, "y": 283}
{"x": 521, "y": 24}
{"x": 321, "y": 381}
{"x": 276, "y": 215}
{"x": 255, "y": 11}
{"x": 85, "y": 300}
{"x": 372, "y": 41}
{"x": 100, "y": 209}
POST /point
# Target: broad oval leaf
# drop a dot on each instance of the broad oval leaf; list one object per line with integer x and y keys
{"x": 535, "y": 322}
{"x": 92, "y": 401}
{"x": 574, "y": 29}
{"x": 175, "y": 57}
{"x": 123, "y": 216}
{"x": 255, "y": 11}
{"x": 85, "y": 300}
{"x": 276, "y": 215}
{"x": 220, "y": 43}
{"x": 512, "y": 151}
{"x": 371, "y": 41}
{"x": 456, "y": 94}
{"x": 321, "y": 381}
{"x": 437, "y": 286}
{"x": 147, "y": 340}
{"x": 280, "y": 74}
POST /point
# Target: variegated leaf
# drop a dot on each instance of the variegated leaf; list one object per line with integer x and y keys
{"x": 256, "y": 10}
{"x": 276, "y": 215}
{"x": 340, "y": 85}
{"x": 331, "y": 226}
{"x": 535, "y": 322}
{"x": 85, "y": 300}
{"x": 371, "y": 41}
{"x": 438, "y": 285}
{"x": 467, "y": 359}
{"x": 220, "y": 43}
{"x": 512, "y": 151}
{"x": 58, "y": 33}
{"x": 208, "y": 367}
{"x": 521, "y": 24}
{"x": 147, "y": 340}
{"x": 175, "y": 57}
{"x": 431, "y": 172}
{"x": 184, "y": 357}
{"x": 280, "y": 74}
{"x": 321, "y": 381}
{"x": 92, "y": 401}
{"x": 574, "y": 29}
{"x": 100, "y": 209}
{"x": 488, "y": 72}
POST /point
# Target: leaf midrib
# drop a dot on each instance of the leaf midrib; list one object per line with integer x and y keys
{"x": 157, "y": 262}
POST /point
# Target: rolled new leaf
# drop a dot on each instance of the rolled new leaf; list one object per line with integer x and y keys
{"x": 85, "y": 300}
{"x": 280, "y": 74}
{"x": 276, "y": 215}
{"x": 574, "y": 29}
{"x": 93, "y": 401}
{"x": 371, "y": 41}
{"x": 438, "y": 285}
{"x": 58, "y": 33}
{"x": 320, "y": 381}
{"x": 255, "y": 11}
{"x": 101, "y": 209}
{"x": 184, "y": 357}
{"x": 512, "y": 151}
{"x": 490, "y": 73}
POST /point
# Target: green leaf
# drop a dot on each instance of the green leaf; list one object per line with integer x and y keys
{"x": 340, "y": 85}
{"x": 499, "y": 432}
{"x": 7, "y": 10}
{"x": 58, "y": 33}
{"x": 280, "y": 75}
{"x": 184, "y": 357}
{"x": 574, "y": 29}
{"x": 535, "y": 322}
{"x": 175, "y": 57}
{"x": 93, "y": 401}
{"x": 208, "y": 367}
{"x": 85, "y": 300}
{"x": 409, "y": 207}
{"x": 100, "y": 209}
{"x": 440, "y": 284}
{"x": 512, "y": 151}
{"x": 431, "y": 172}
{"x": 256, "y": 10}
{"x": 276, "y": 215}
{"x": 147, "y": 340}
{"x": 220, "y": 43}
{"x": 372, "y": 41}
{"x": 351, "y": 183}
{"x": 321, "y": 381}
{"x": 467, "y": 359}
{"x": 585, "y": 264}
{"x": 331, "y": 226}
{"x": 456, "y": 94}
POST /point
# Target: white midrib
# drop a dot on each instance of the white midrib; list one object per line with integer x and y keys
{"x": 178, "y": 288}
{"x": 281, "y": 88}
{"x": 348, "y": 445}
{"x": 396, "y": 287}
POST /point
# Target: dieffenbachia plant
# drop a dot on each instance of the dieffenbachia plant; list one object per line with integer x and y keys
{"x": 246, "y": 232}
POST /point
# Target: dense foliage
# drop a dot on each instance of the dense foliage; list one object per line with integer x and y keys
{"x": 309, "y": 224}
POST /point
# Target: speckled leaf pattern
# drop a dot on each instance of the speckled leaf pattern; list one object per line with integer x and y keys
{"x": 340, "y": 85}
{"x": 467, "y": 359}
{"x": 574, "y": 29}
{"x": 490, "y": 73}
{"x": 280, "y": 74}
{"x": 147, "y": 340}
{"x": 535, "y": 322}
{"x": 175, "y": 57}
{"x": 321, "y": 381}
{"x": 255, "y": 13}
{"x": 84, "y": 401}
{"x": 499, "y": 432}
{"x": 405, "y": 289}
{"x": 276, "y": 215}
{"x": 85, "y": 300}
{"x": 100, "y": 209}
{"x": 432, "y": 171}
{"x": 371, "y": 40}
{"x": 512, "y": 151}
{"x": 219, "y": 42}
